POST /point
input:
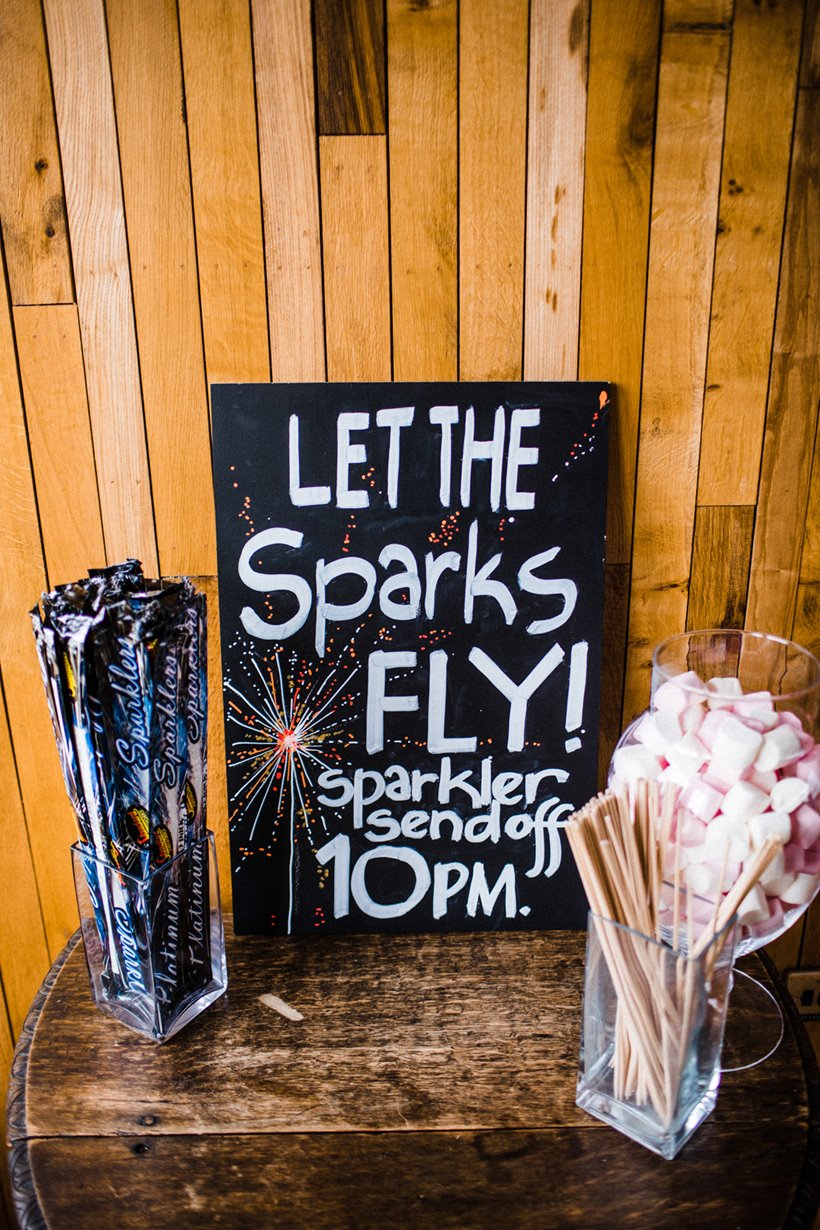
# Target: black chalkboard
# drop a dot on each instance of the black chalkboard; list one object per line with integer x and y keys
{"x": 411, "y": 592}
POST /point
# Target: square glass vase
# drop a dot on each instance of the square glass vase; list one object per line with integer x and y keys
{"x": 154, "y": 945}
{"x": 652, "y": 1033}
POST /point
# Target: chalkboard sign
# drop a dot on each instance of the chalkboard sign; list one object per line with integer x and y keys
{"x": 411, "y": 592}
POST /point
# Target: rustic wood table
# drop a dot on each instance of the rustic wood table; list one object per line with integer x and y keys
{"x": 366, "y": 1081}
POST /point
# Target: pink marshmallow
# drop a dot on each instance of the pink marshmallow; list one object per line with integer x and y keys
{"x": 692, "y": 829}
{"x": 806, "y": 826}
{"x": 773, "y": 923}
{"x": 811, "y": 861}
{"x": 794, "y": 857}
{"x": 711, "y": 724}
{"x": 808, "y": 769}
{"x": 701, "y": 799}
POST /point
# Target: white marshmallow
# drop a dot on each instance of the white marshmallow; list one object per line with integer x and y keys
{"x": 777, "y": 887}
{"x": 687, "y": 755}
{"x": 670, "y": 698}
{"x": 727, "y": 838}
{"x": 636, "y": 761}
{"x": 659, "y": 731}
{"x": 789, "y": 794}
{"x": 692, "y": 719}
{"x": 770, "y": 824}
{"x": 775, "y": 869}
{"x": 678, "y": 777}
{"x": 701, "y": 799}
{"x": 702, "y": 878}
{"x": 802, "y": 890}
{"x": 723, "y": 691}
{"x": 764, "y": 781}
{"x": 753, "y": 908}
{"x": 744, "y": 801}
{"x": 758, "y": 706}
{"x": 736, "y": 746}
{"x": 778, "y": 747}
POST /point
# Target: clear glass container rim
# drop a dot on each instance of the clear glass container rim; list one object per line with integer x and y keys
{"x": 751, "y": 635}
{"x": 86, "y": 851}
{"x": 662, "y": 944}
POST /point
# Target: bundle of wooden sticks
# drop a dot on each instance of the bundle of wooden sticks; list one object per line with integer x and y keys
{"x": 630, "y": 866}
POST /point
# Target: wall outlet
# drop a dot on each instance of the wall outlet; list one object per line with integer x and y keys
{"x": 804, "y": 987}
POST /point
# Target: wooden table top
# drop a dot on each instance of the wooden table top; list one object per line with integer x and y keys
{"x": 430, "y": 1082}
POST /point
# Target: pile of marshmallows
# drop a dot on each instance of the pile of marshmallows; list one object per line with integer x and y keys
{"x": 745, "y": 770}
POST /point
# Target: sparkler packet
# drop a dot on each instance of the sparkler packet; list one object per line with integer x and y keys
{"x": 123, "y": 661}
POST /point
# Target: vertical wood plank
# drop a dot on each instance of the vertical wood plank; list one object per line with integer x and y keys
{"x": 78, "y": 50}
{"x": 356, "y": 257}
{"x": 759, "y": 115}
{"x": 422, "y": 78}
{"x": 616, "y": 610}
{"x": 492, "y": 170}
{"x": 283, "y": 57}
{"x": 350, "y": 66}
{"x": 806, "y": 628}
{"x": 695, "y": 14}
{"x": 48, "y": 815}
{"x": 691, "y": 102}
{"x": 143, "y": 40}
{"x": 785, "y": 951}
{"x": 32, "y": 209}
{"x": 791, "y": 419}
{"x": 221, "y": 112}
{"x": 59, "y": 432}
{"x": 810, "y": 59}
{"x": 720, "y": 566}
{"x": 217, "y": 778}
{"x": 559, "y": 36}
{"x": 7, "y": 1219}
{"x": 24, "y": 958}
{"x": 623, "y": 65}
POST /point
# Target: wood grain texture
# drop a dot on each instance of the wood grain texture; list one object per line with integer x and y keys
{"x": 623, "y": 67}
{"x": 356, "y": 257}
{"x": 691, "y": 102}
{"x": 221, "y": 113}
{"x": 32, "y": 208}
{"x": 78, "y": 51}
{"x": 791, "y": 419}
{"x": 697, "y": 14}
{"x": 754, "y": 178}
{"x": 720, "y": 567}
{"x": 350, "y": 66}
{"x": 456, "y": 1032}
{"x": 59, "y": 432}
{"x": 810, "y": 59}
{"x": 536, "y": 1180}
{"x": 493, "y": 43}
{"x": 49, "y": 827}
{"x": 23, "y": 948}
{"x": 559, "y": 45}
{"x": 143, "y": 38}
{"x": 613, "y": 652}
{"x": 423, "y": 80}
{"x": 336, "y": 1119}
{"x": 283, "y": 60}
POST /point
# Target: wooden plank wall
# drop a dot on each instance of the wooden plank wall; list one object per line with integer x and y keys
{"x": 200, "y": 190}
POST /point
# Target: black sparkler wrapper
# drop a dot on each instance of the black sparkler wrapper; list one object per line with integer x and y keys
{"x": 123, "y": 660}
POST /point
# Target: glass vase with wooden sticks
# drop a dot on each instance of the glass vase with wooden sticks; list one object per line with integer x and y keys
{"x": 731, "y": 731}
{"x": 654, "y": 1013}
